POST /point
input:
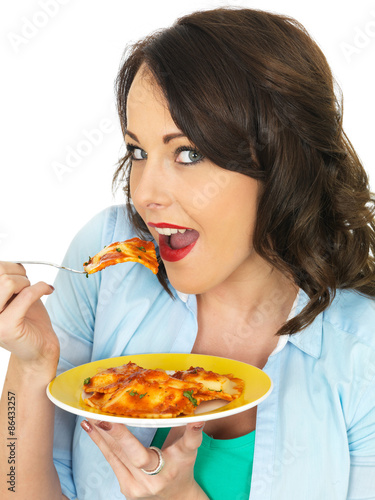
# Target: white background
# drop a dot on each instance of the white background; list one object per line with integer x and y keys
{"x": 59, "y": 60}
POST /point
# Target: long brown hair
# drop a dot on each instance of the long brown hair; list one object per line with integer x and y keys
{"x": 255, "y": 94}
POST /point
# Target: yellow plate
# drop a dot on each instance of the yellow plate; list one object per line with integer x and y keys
{"x": 66, "y": 389}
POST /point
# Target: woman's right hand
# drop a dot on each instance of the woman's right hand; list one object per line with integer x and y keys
{"x": 25, "y": 327}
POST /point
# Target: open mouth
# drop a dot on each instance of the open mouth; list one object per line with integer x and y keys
{"x": 178, "y": 238}
{"x": 175, "y": 242}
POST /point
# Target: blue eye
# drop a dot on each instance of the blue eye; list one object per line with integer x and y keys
{"x": 136, "y": 153}
{"x": 188, "y": 155}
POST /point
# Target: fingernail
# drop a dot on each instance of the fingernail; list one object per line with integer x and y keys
{"x": 198, "y": 427}
{"x": 52, "y": 287}
{"x": 105, "y": 426}
{"x": 86, "y": 426}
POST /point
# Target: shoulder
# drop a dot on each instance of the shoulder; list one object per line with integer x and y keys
{"x": 107, "y": 226}
{"x": 349, "y": 345}
{"x": 110, "y": 222}
{"x": 352, "y": 314}
{"x": 115, "y": 222}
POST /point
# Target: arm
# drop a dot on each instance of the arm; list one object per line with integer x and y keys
{"x": 72, "y": 310}
{"x": 30, "y": 453}
{"x": 361, "y": 437}
{"x": 26, "y": 331}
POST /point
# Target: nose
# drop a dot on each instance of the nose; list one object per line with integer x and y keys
{"x": 149, "y": 186}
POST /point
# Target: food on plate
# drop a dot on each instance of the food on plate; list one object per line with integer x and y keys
{"x": 109, "y": 380}
{"x": 133, "y": 250}
{"x": 214, "y": 386}
{"x": 133, "y": 391}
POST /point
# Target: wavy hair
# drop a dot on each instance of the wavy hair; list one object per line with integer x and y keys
{"x": 255, "y": 94}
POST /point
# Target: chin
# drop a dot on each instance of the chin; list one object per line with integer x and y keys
{"x": 191, "y": 288}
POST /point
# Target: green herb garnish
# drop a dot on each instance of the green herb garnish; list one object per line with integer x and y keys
{"x": 139, "y": 257}
{"x": 86, "y": 381}
{"x": 189, "y": 395}
{"x": 135, "y": 393}
{"x": 142, "y": 249}
{"x": 118, "y": 250}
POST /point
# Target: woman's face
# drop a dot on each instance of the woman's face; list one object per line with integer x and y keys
{"x": 172, "y": 184}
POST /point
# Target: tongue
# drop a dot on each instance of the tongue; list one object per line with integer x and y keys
{"x": 181, "y": 240}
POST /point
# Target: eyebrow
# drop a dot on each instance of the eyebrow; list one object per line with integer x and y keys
{"x": 166, "y": 138}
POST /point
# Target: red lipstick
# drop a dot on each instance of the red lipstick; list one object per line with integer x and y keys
{"x": 165, "y": 224}
{"x": 175, "y": 251}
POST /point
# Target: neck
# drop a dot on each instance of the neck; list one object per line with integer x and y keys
{"x": 240, "y": 317}
{"x": 264, "y": 290}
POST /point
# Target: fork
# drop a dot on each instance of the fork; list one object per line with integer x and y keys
{"x": 47, "y": 264}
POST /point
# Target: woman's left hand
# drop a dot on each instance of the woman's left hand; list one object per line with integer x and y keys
{"x": 127, "y": 457}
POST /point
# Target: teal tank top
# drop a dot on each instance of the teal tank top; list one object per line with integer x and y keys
{"x": 223, "y": 467}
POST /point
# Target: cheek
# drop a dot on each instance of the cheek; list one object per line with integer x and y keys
{"x": 235, "y": 219}
{"x": 134, "y": 181}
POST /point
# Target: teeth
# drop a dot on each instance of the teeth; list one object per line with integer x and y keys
{"x": 167, "y": 231}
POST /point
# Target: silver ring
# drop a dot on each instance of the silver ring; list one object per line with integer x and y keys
{"x": 160, "y": 464}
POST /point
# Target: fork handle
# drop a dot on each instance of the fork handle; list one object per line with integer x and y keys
{"x": 46, "y": 264}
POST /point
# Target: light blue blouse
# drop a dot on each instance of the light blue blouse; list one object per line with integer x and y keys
{"x": 315, "y": 433}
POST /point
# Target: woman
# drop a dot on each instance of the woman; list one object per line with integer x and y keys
{"x": 234, "y": 135}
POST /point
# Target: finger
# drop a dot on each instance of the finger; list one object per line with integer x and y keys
{"x": 10, "y": 286}
{"x": 127, "y": 447}
{"x": 11, "y": 268}
{"x": 25, "y": 299}
{"x": 109, "y": 451}
{"x": 192, "y": 438}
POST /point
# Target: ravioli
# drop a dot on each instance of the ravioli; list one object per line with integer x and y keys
{"x": 213, "y": 385}
{"x": 133, "y": 250}
{"x": 110, "y": 380}
{"x": 133, "y": 391}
